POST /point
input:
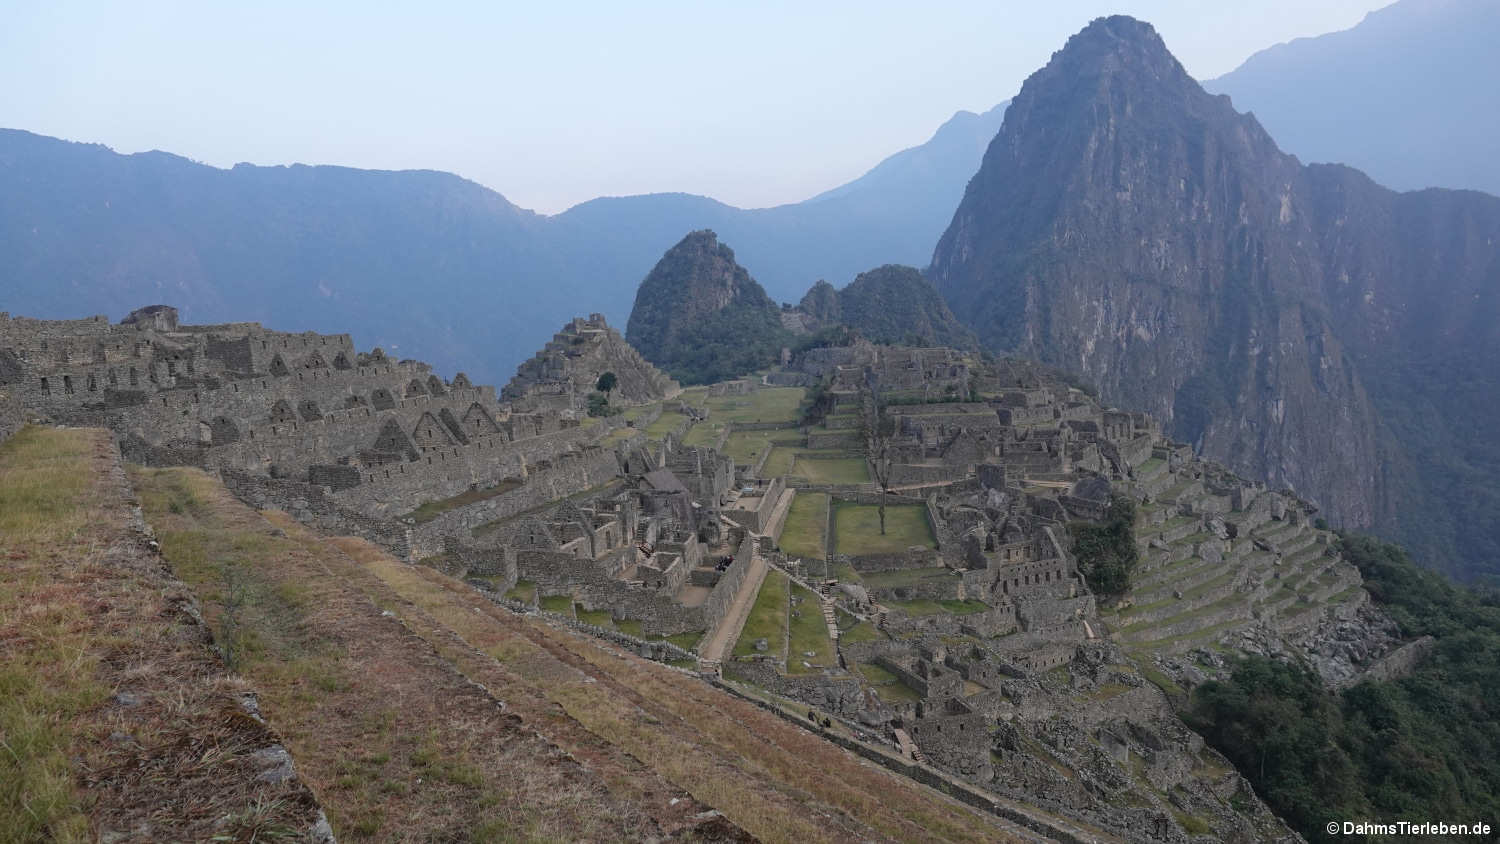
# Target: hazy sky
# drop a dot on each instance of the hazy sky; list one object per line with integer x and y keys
{"x": 753, "y": 103}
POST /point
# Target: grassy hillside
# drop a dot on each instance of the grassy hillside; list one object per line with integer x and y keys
{"x": 117, "y": 717}
{"x": 382, "y": 674}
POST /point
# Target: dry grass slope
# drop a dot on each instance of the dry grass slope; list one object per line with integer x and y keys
{"x": 116, "y": 716}
{"x": 548, "y": 734}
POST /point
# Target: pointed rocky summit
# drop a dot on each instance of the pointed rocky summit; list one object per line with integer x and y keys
{"x": 701, "y": 317}
{"x": 1297, "y": 322}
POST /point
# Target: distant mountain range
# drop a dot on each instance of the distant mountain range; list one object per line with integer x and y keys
{"x": 1300, "y": 323}
{"x": 1411, "y": 95}
{"x": 425, "y": 264}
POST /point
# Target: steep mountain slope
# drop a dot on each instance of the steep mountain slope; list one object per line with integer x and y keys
{"x": 426, "y": 263}
{"x": 1408, "y": 95}
{"x": 701, "y": 317}
{"x": 1302, "y": 324}
{"x": 889, "y": 304}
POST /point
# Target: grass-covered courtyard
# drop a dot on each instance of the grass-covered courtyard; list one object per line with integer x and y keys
{"x": 770, "y": 404}
{"x": 767, "y": 619}
{"x": 856, "y": 528}
{"x": 806, "y": 525}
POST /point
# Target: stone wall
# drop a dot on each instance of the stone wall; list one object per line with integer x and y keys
{"x": 396, "y": 488}
{"x": 566, "y": 477}
{"x": 312, "y": 506}
{"x": 719, "y": 600}
{"x": 757, "y": 518}
{"x": 12, "y": 413}
{"x": 838, "y": 695}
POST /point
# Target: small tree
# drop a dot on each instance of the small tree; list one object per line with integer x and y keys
{"x": 1106, "y": 552}
{"x": 598, "y": 404}
{"x": 877, "y": 428}
{"x": 607, "y": 383}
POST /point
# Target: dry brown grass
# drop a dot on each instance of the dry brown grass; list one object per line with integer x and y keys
{"x": 115, "y": 715}
{"x": 397, "y": 744}
{"x": 773, "y": 779}
{"x": 456, "y": 718}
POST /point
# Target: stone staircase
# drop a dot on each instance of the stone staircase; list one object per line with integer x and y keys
{"x": 909, "y": 748}
{"x": 829, "y": 618}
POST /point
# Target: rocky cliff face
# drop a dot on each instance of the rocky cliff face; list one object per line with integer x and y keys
{"x": 701, "y": 317}
{"x": 1302, "y": 324}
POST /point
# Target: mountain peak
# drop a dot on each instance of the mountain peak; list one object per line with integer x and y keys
{"x": 700, "y": 316}
{"x": 1110, "y": 47}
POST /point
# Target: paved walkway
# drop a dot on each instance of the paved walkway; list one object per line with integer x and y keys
{"x": 724, "y": 636}
{"x": 777, "y": 521}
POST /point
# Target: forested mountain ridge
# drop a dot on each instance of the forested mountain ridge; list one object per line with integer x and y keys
{"x": 700, "y": 317}
{"x": 1302, "y": 324}
{"x": 427, "y": 264}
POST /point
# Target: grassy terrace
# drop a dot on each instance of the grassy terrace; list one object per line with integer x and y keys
{"x": 746, "y": 447}
{"x": 85, "y": 616}
{"x": 888, "y": 685}
{"x": 524, "y": 591}
{"x": 664, "y": 425}
{"x": 767, "y": 619}
{"x": 806, "y": 524}
{"x": 856, "y": 528}
{"x": 432, "y": 509}
{"x": 391, "y": 724}
{"x": 771, "y": 404}
{"x": 846, "y": 470}
{"x": 924, "y": 606}
{"x": 808, "y": 634}
{"x": 906, "y": 578}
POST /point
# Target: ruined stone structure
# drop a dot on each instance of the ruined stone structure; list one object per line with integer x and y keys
{"x": 375, "y": 435}
{"x": 563, "y": 374}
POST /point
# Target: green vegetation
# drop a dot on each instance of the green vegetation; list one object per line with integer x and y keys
{"x": 432, "y": 509}
{"x": 864, "y": 631}
{"x": 888, "y": 685}
{"x": 557, "y": 603}
{"x": 677, "y": 325}
{"x": 849, "y": 470}
{"x": 43, "y": 501}
{"x": 767, "y": 619}
{"x": 806, "y": 526}
{"x": 524, "y": 591}
{"x": 598, "y": 618}
{"x": 767, "y": 404}
{"x": 895, "y": 304}
{"x": 951, "y": 606}
{"x": 808, "y": 633}
{"x": 746, "y": 447}
{"x": 1106, "y": 553}
{"x": 907, "y": 578}
{"x": 665, "y": 424}
{"x": 687, "y": 641}
{"x": 1420, "y": 747}
{"x": 599, "y": 406}
{"x": 856, "y": 528}
{"x": 779, "y": 464}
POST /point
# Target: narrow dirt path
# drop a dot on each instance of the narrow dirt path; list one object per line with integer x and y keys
{"x": 722, "y": 637}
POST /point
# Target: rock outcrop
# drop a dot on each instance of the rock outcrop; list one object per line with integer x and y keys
{"x": 1303, "y": 324}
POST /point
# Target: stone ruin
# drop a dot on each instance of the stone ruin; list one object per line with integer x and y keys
{"x": 565, "y": 372}
{"x": 349, "y": 441}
